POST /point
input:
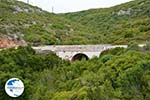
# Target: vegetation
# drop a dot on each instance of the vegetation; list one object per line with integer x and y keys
{"x": 119, "y": 24}
{"x": 115, "y": 25}
{"x": 118, "y": 74}
{"x": 38, "y": 27}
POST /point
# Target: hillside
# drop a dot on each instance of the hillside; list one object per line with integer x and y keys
{"x": 24, "y": 22}
{"x": 119, "y": 24}
{"x": 116, "y": 25}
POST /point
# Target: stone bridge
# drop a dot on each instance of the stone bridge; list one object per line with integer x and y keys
{"x": 74, "y": 52}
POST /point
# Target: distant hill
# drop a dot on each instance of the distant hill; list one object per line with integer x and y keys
{"x": 119, "y": 24}
{"x": 115, "y": 25}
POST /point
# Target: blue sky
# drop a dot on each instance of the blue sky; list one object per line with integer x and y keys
{"x": 63, "y": 6}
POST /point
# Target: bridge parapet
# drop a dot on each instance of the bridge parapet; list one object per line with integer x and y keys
{"x": 69, "y": 51}
{"x": 81, "y": 48}
{"x": 70, "y": 48}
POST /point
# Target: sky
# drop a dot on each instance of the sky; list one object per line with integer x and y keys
{"x": 64, "y": 6}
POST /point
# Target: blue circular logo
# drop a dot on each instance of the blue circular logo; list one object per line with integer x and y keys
{"x": 14, "y": 87}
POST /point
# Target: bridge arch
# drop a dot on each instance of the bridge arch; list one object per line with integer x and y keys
{"x": 79, "y": 56}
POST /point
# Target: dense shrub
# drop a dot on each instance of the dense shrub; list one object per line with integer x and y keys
{"x": 124, "y": 74}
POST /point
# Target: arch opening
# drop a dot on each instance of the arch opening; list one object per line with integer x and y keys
{"x": 79, "y": 57}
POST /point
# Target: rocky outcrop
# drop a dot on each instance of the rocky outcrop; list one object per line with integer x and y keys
{"x": 123, "y": 12}
{"x": 26, "y": 9}
{"x": 8, "y": 42}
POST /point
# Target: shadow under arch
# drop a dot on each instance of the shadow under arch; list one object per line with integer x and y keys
{"x": 79, "y": 56}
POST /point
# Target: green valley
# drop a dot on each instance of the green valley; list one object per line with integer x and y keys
{"x": 117, "y": 74}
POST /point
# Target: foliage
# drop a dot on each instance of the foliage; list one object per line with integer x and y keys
{"x": 122, "y": 75}
{"x": 117, "y": 74}
{"x": 116, "y": 25}
{"x": 119, "y": 24}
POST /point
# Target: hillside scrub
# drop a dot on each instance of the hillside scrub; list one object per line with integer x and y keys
{"x": 116, "y": 25}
